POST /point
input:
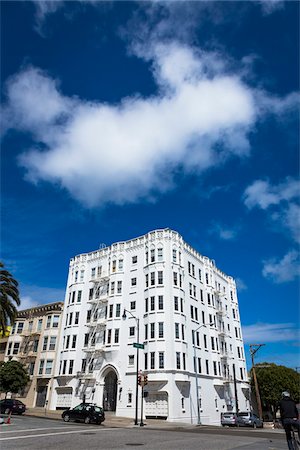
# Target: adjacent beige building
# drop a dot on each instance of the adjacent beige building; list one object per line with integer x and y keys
{"x": 33, "y": 341}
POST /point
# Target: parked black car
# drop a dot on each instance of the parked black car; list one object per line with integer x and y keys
{"x": 85, "y": 412}
{"x": 12, "y": 405}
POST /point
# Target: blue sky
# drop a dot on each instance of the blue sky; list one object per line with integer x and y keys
{"x": 123, "y": 117}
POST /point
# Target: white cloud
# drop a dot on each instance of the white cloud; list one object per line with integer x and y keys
{"x": 32, "y": 295}
{"x": 241, "y": 285}
{"x": 286, "y": 269}
{"x": 224, "y": 233}
{"x": 121, "y": 153}
{"x": 269, "y": 332}
{"x": 263, "y": 195}
{"x": 270, "y": 6}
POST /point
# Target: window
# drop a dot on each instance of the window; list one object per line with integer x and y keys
{"x": 99, "y": 271}
{"x": 146, "y": 361}
{"x": 121, "y": 264}
{"x": 49, "y": 365}
{"x": 161, "y": 360}
{"x": 134, "y": 259}
{"x": 41, "y": 367}
{"x": 215, "y": 368}
{"x": 205, "y": 341}
{"x": 118, "y": 309}
{"x": 70, "y": 318}
{"x": 146, "y": 332}
{"x": 88, "y": 315}
{"x": 183, "y": 361}
{"x": 93, "y": 272}
{"x": 68, "y": 342}
{"x": 35, "y": 345}
{"x": 109, "y": 336}
{"x": 86, "y": 339}
{"x": 152, "y": 303}
{"x": 174, "y": 255}
{"x": 176, "y": 330}
{"x": 76, "y": 322}
{"x": 241, "y": 372}
{"x": 71, "y": 365}
{"x": 207, "y": 366}
{"x": 159, "y": 254}
{"x": 182, "y": 331}
{"x": 130, "y": 360}
{"x": 175, "y": 278}
{"x": 9, "y": 348}
{"x": 152, "y": 255}
{"x": 181, "y": 305}
{"x": 83, "y": 365}
{"x": 114, "y": 265}
{"x": 30, "y": 325}
{"x": 212, "y": 343}
{"x": 117, "y": 332}
{"x": 199, "y": 365}
{"x": 45, "y": 343}
{"x": 200, "y": 275}
{"x": 31, "y": 368}
{"x": 40, "y": 322}
{"x": 13, "y": 330}
{"x": 152, "y": 360}
{"x": 192, "y": 312}
{"x": 133, "y": 281}
{"x": 91, "y": 293}
{"x": 76, "y": 276}
{"x": 208, "y": 299}
{"x": 119, "y": 288}
{"x": 129, "y": 401}
{"x": 160, "y": 277}
{"x": 152, "y": 278}
{"x": 132, "y": 305}
{"x": 206, "y": 278}
{"x": 146, "y": 305}
{"x": 201, "y": 296}
{"x": 79, "y": 295}
{"x": 112, "y": 287}
{"x": 52, "y": 343}
{"x": 74, "y": 341}
{"x": 48, "y": 325}
{"x": 160, "y": 330}
{"x": 16, "y": 348}
{"x": 147, "y": 279}
{"x": 111, "y": 309}
{"x": 131, "y": 331}
{"x": 147, "y": 257}
{"x": 160, "y": 302}
{"x": 81, "y": 275}
{"x": 178, "y": 360}
{"x": 152, "y": 330}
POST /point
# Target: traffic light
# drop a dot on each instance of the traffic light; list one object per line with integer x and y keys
{"x": 145, "y": 379}
{"x": 140, "y": 379}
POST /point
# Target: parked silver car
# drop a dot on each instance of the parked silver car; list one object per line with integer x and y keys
{"x": 228, "y": 419}
{"x": 248, "y": 419}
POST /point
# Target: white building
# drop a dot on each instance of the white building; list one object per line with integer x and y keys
{"x": 187, "y": 312}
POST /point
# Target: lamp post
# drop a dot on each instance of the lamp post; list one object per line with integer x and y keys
{"x": 137, "y": 363}
{"x": 196, "y": 373}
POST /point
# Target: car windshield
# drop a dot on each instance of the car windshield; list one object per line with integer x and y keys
{"x": 244, "y": 414}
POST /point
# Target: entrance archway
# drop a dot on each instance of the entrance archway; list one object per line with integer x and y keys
{"x": 110, "y": 391}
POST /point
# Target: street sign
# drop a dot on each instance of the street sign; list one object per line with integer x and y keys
{"x": 137, "y": 345}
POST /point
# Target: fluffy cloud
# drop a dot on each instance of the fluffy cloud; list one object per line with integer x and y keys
{"x": 224, "y": 233}
{"x": 32, "y": 295}
{"x": 286, "y": 269}
{"x": 103, "y": 153}
{"x": 282, "y": 200}
{"x": 270, "y": 332}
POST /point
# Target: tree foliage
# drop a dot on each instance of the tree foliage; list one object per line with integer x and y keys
{"x": 272, "y": 381}
{"x": 9, "y": 298}
{"x": 13, "y": 377}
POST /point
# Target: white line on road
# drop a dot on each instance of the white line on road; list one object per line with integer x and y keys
{"x": 39, "y": 429}
{"x": 51, "y": 434}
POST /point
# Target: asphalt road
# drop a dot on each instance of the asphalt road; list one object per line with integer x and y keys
{"x": 39, "y": 434}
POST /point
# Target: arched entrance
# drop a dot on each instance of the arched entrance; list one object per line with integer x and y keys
{"x": 110, "y": 391}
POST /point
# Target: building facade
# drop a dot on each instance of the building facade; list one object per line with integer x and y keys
{"x": 178, "y": 305}
{"x": 33, "y": 341}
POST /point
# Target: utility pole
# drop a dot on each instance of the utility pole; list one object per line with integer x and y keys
{"x": 235, "y": 390}
{"x": 253, "y": 349}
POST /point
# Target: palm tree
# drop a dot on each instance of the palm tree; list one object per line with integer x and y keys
{"x": 9, "y": 294}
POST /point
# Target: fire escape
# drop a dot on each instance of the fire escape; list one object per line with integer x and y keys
{"x": 95, "y": 348}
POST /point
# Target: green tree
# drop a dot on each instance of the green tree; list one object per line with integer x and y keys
{"x": 9, "y": 296}
{"x": 13, "y": 377}
{"x": 272, "y": 381}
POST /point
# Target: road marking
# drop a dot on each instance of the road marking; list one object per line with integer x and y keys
{"x": 39, "y": 429}
{"x": 51, "y": 434}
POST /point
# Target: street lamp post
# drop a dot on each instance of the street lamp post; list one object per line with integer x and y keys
{"x": 196, "y": 374}
{"x": 137, "y": 363}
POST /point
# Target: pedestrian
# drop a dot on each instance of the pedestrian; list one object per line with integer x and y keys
{"x": 289, "y": 416}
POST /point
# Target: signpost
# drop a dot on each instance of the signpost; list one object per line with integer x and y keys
{"x": 137, "y": 345}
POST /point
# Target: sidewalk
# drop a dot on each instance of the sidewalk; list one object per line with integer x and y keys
{"x": 111, "y": 420}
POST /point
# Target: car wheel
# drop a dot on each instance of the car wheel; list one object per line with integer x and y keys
{"x": 254, "y": 425}
{"x": 87, "y": 420}
{"x": 67, "y": 418}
